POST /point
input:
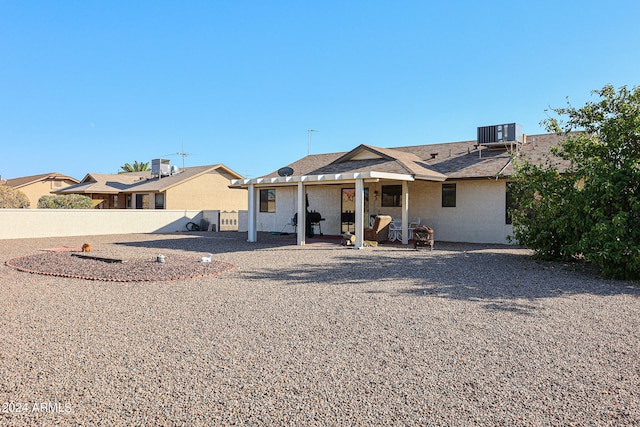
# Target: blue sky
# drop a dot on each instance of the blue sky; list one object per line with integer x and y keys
{"x": 86, "y": 86}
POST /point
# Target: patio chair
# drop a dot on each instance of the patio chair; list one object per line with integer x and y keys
{"x": 380, "y": 230}
{"x": 395, "y": 230}
{"x": 412, "y": 226}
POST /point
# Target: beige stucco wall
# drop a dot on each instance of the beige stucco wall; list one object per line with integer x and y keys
{"x": 207, "y": 191}
{"x": 479, "y": 215}
{"x": 30, "y": 223}
{"x": 322, "y": 198}
{"x": 42, "y": 188}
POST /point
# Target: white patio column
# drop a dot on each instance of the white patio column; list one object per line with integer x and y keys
{"x": 302, "y": 215}
{"x": 359, "y": 213}
{"x": 252, "y": 214}
{"x": 405, "y": 213}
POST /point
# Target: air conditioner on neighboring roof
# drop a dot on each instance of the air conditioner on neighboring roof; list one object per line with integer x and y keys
{"x": 160, "y": 167}
{"x": 498, "y": 134}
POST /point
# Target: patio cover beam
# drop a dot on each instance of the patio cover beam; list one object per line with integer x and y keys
{"x": 359, "y": 213}
{"x": 319, "y": 179}
{"x": 302, "y": 215}
{"x": 405, "y": 213}
{"x": 253, "y": 214}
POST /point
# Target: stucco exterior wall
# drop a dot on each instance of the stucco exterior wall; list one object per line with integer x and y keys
{"x": 43, "y": 188}
{"x": 478, "y": 217}
{"x": 324, "y": 199}
{"x": 30, "y": 223}
{"x": 207, "y": 191}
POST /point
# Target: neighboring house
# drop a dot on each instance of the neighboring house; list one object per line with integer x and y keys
{"x": 192, "y": 188}
{"x": 37, "y": 186}
{"x": 459, "y": 189}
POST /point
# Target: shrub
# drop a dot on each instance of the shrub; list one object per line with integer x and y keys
{"x": 591, "y": 210}
{"x": 69, "y": 201}
{"x": 11, "y": 198}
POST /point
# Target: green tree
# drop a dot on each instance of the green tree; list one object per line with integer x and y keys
{"x": 591, "y": 210}
{"x": 12, "y": 198}
{"x": 136, "y": 167}
{"x": 69, "y": 201}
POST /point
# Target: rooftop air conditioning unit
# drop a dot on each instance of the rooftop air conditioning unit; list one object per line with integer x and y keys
{"x": 160, "y": 167}
{"x": 500, "y": 134}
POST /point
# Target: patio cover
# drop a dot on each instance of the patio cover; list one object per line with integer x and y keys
{"x": 301, "y": 181}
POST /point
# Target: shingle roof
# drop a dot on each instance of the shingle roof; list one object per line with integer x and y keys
{"x": 26, "y": 180}
{"x": 455, "y": 160}
{"x": 105, "y": 183}
{"x": 137, "y": 182}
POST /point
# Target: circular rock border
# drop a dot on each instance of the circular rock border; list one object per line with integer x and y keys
{"x": 64, "y": 264}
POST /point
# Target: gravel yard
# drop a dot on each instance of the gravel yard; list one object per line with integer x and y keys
{"x": 319, "y": 335}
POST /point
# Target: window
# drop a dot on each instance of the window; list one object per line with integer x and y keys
{"x": 268, "y": 200}
{"x": 448, "y": 195}
{"x": 510, "y": 202}
{"x": 142, "y": 201}
{"x": 159, "y": 201}
{"x": 391, "y": 195}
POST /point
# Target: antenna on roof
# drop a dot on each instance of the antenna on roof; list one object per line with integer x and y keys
{"x": 309, "y": 140}
{"x": 183, "y": 154}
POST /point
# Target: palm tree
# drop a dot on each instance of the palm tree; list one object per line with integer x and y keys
{"x": 137, "y": 167}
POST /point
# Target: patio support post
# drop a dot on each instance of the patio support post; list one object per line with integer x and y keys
{"x": 301, "y": 226}
{"x": 359, "y": 213}
{"x": 405, "y": 213}
{"x": 252, "y": 231}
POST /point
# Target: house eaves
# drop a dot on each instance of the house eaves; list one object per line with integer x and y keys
{"x": 27, "y": 180}
{"x": 163, "y": 184}
{"x": 364, "y": 152}
{"x": 369, "y": 158}
{"x": 367, "y": 176}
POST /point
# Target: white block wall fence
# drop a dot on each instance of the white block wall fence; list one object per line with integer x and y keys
{"x": 32, "y": 223}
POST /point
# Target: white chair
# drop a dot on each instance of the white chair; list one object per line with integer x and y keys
{"x": 412, "y": 226}
{"x": 395, "y": 230}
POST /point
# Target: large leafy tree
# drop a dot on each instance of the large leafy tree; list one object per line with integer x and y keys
{"x": 136, "y": 167}
{"x": 11, "y": 198}
{"x": 591, "y": 209}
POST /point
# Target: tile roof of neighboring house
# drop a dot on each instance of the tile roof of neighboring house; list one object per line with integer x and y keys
{"x": 455, "y": 160}
{"x": 26, "y": 180}
{"x": 137, "y": 182}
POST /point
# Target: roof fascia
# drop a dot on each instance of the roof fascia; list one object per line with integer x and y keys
{"x": 362, "y": 147}
{"x": 320, "y": 179}
{"x": 179, "y": 182}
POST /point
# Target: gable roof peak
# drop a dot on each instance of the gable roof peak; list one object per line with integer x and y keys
{"x": 365, "y": 152}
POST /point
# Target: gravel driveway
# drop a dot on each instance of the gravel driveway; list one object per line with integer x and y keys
{"x": 320, "y": 335}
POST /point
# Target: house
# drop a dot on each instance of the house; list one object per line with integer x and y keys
{"x": 191, "y": 188}
{"x": 459, "y": 189}
{"x": 36, "y": 186}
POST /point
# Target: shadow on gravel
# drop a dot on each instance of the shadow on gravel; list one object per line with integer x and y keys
{"x": 497, "y": 280}
{"x": 215, "y": 243}
{"x": 492, "y": 275}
